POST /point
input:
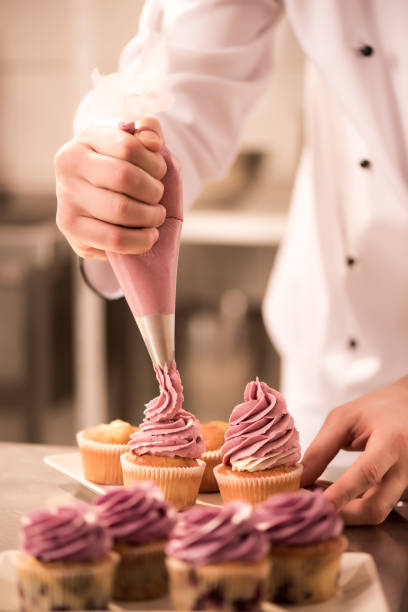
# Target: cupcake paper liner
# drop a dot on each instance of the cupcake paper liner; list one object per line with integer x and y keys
{"x": 256, "y": 489}
{"x": 180, "y": 485}
{"x": 141, "y": 573}
{"x": 221, "y": 586}
{"x": 77, "y": 586}
{"x": 209, "y": 483}
{"x": 305, "y": 574}
{"x": 101, "y": 461}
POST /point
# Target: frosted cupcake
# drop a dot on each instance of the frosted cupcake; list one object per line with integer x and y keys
{"x": 213, "y": 436}
{"x": 261, "y": 449}
{"x": 304, "y": 531}
{"x": 167, "y": 447}
{"x": 140, "y": 521}
{"x": 65, "y": 562}
{"x": 101, "y": 447}
{"x": 217, "y": 559}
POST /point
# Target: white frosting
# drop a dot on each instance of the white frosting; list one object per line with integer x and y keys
{"x": 255, "y": 464}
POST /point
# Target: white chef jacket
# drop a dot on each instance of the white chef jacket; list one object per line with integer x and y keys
{"x": 337, "y": 303}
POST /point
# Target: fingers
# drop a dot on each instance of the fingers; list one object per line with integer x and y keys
{"x": 103, "y": 236}
{"x": 377, "y": 502}
{"x": 113, "y": 207}
{"x": 121, "y": 177}
{"x": 150, "y": 133}
{"x": 333, "y": 436}
{"x": 121, "y": 145}
{"x": 367, "y": 471}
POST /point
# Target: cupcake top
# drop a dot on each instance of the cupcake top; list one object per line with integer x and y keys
{"x": 261, "y": 433}
{"x": 298, "y": 518}
{"x": 213, "y": 434}
{"x": 70, "y": 533}
{"x": 137, "y": 514}
{"x": 168, "y": 430}
{"x": 115, "y": 432}
{"x": 217, "y": 535}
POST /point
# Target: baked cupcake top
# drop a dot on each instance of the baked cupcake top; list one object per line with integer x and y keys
{"x": 137, "y": 514}
{"x": 115, "y": 432}
{"x": 298, "y": 518}
{"x": 261, "y": 433}
{"x": 168, "y": 430}
{"x": 70, "y": 533}
{"x": 213, "y": 434}
{"x": 205, "y": 535}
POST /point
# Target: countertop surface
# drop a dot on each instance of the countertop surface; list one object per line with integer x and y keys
{"x": 26, "y": 483}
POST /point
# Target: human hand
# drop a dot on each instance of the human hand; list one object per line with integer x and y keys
{"x": 108, "y": 185}
{"x": 377, "y": 424}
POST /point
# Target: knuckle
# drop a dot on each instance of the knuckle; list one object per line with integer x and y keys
{"x": 151, "y": 235}
{"x": 161, "y": 169}
{"x": 370, "y": 473}
{"x": 63, "y": 158}
{"x": 160, "y": 214}
{"x": 65, "y": 219}
{"x": 375, "y": 513}
{"x": 158, "y": 192}
{"x": 121, "y": 208}
{"x": 126, "y": 146}
{"x": 114, "y": 239}
{"x": 122, "y": 177}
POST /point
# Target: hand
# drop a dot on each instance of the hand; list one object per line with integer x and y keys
{"x": 376, "y": 423}
{"x": 109, "y": 188}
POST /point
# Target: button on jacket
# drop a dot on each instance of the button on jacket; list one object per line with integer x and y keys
{"x": 337, "y": 302}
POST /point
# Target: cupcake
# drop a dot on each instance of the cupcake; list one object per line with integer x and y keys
{"x": 167, "y": 447}
{"x": 304, "y": 532}
{"x": 139, "y": 520}
{"x": 213, "y": 436}
{"x": 217, "y": 559}
{"x": 101, "y": 447}
{"x": 65, "y": 562}
{"x": 261, "y": 449}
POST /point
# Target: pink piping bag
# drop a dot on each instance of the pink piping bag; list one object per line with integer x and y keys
{"x": 148, "y": 281}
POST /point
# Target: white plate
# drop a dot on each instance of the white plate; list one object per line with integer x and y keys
{"x": 359, "y": 589}
{"x": 70, "y": 464}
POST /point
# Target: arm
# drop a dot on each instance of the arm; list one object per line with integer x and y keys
{"x": 219, "y": 59}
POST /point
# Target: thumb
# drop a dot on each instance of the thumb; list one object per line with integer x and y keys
{"x": 333, "y": 436}
{"x": 150, "y": 134}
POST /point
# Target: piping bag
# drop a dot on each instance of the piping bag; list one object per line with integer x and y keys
{"x": 148, "y": 281}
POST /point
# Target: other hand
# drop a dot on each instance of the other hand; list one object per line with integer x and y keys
{"x": 377, "y": 424}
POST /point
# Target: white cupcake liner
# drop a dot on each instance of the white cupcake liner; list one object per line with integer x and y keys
{"x": 101, "y": 460}
{"x": 256, "y": 489}
{"x": 70, "y": 586}
{"x": 217, "y": 586}
{"x": 180, "y": 485}
{"x": 209, "y": 483}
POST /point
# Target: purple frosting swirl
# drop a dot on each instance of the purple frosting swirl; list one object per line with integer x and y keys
{"x": 298, "y": 518}
{"x": 70, "y": 533}
{"x": 216, "y": 535}
{"x": 136, "y": 514}
{"x": 168, "y": 430}
{"x": 261, "y": 427}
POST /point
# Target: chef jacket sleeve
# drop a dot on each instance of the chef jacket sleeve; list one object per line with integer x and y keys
{"x": 219, "y": 58}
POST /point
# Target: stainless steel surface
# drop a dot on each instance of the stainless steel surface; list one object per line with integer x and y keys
{"x": 26, "y": 483}
{"x": 158, "y": 334}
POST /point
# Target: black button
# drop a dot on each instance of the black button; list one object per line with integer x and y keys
{"x": 350, "y": 261}
{"x": 365, "y": 163}
{"x": 352, "y": 343}
{"x": 366, "y": 50}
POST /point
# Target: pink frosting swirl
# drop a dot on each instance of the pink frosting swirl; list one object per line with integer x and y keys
{"x": 261, "y": 427}
{"x": 136, "y": 514}
{"x": 168, "y": 430}
{"x": 298, "y": 518}
{"x": 71, "y": 533}
{"x": 216, "y": 535}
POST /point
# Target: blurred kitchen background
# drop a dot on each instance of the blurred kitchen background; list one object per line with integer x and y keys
{"x": 67, "y": 358}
